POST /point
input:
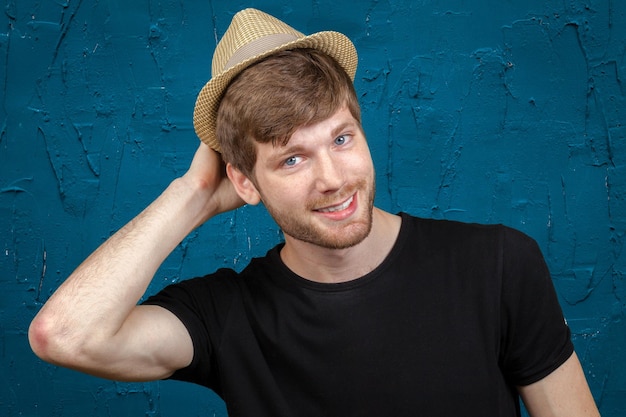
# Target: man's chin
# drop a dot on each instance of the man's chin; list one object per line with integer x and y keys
{"x": 340, "y": 238}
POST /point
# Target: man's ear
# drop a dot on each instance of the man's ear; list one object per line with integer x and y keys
{"x": 243, "y": 185}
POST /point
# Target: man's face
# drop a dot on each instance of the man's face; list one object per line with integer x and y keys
{"x": 319, "y": 187}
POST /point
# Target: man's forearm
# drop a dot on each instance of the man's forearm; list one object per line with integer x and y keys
{"x": 92, "y": 304}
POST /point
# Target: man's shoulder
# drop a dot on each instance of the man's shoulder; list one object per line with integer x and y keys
{"x": 436, "y": 224}
{"x": 447, "y": 231}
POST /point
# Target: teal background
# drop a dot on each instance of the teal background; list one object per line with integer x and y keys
{"x": 506, "y": 111}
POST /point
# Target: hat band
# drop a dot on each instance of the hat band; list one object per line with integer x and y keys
{"x": 259, "y": 46}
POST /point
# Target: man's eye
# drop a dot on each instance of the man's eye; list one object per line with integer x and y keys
{"x": 340, "y": 140}
{"x": 292, "y": 160}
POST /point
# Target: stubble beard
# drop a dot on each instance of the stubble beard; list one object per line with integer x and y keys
{"x": 341, "y": 237}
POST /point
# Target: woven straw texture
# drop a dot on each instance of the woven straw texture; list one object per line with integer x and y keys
{"x": 251, "y": 36}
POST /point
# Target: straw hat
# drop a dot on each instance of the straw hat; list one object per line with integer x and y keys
{"x": 251, "y": 36}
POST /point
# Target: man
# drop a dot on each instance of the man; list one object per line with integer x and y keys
{"x": 359, "y": 313}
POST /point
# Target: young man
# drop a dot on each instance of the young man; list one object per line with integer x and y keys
{"x": 359, "y": 313}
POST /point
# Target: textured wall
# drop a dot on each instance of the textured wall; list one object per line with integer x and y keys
{"x": 507, "y": 111}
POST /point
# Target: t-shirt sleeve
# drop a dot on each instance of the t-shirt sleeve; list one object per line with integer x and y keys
{"x": 202, "y": 305}
{"x": 535, "y": 339}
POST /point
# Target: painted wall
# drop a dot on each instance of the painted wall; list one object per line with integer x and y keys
{"x": 507, "y": 111}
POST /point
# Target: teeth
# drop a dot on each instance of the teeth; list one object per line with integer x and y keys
{"x": 337, "y": 208}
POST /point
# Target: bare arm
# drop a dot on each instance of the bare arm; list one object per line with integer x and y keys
{"x": 563, "y": 393}
{"x": 92, "y": 322}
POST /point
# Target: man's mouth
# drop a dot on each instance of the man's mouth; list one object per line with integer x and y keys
{"x": 338, "y": 207}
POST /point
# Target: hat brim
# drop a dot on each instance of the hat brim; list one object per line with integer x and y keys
{"x": 335, "y": 44}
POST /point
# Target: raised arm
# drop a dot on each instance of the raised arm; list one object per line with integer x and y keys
{"x": 563, "y": 393}
{"x": 92, "y": 322}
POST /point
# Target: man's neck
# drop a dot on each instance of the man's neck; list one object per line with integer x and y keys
{"x": 325, "y": 265}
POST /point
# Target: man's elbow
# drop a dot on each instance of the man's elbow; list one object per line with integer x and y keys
{"x": 39, "y": 337}
{"x": 48, "y": 342}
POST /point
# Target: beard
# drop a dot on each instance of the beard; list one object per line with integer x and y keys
{"x": 303, "y": 226}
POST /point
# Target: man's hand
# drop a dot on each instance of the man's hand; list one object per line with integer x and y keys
{"x": 207, "y": 172}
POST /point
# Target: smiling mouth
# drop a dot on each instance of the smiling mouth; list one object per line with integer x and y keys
{"x": 336, "y": 208}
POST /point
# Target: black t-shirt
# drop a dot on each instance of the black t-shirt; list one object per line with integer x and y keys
{"x": 453, "y": 319}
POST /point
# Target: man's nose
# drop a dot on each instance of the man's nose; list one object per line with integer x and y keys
{"x": 329, "y": 174}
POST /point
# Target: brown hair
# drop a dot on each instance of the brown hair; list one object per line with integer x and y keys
{"x": 270, "y": 100}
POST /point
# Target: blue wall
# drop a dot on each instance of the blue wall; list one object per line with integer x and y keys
{"x": 507, "y": 111}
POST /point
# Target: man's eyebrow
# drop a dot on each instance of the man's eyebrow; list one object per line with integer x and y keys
{"x": 342, "y": 126}
{"x": 284, "y": 152}
{"x": 287, "y": 150}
